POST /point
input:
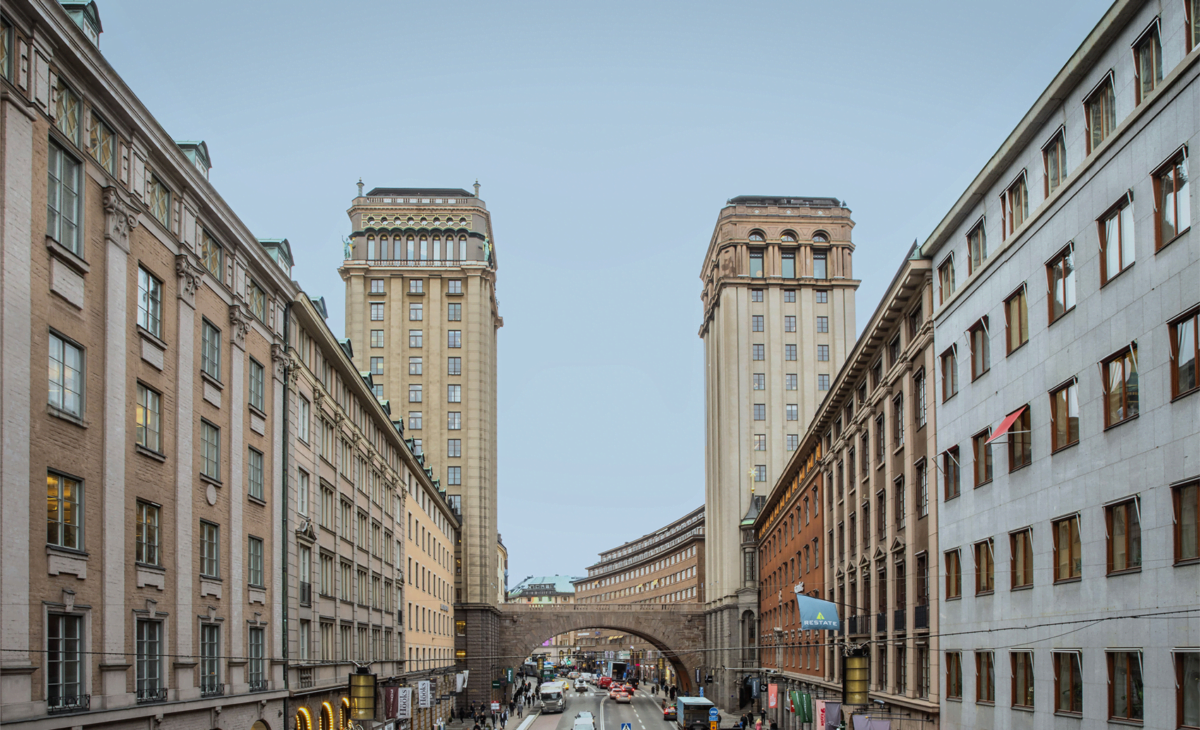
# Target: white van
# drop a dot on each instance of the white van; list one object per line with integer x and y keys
{"x": 553, "y": 696}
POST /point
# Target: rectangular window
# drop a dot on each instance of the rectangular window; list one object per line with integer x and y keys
{"x": 257, "y": 300}
{"x": 791, "y": 381}
{"x": 454, "y": 339}
{"x": 789, "y": 353}
{"x": 981, "y": 354}
{"x": 416, "y": 312}
{"x": 789, "y": 265}
{"x": 1068, "y": 564}
{"x": 302, "y": 487}
{"x": 415, "y": 338}
{"x": 954, "y": 675}
{"x": 756, "y": 323}
{"x": 953, "y": 575}
{"x": 1064, "y": 416}
{"x": 149, "y": 661}
{"x": 789, "y": 296}
{"x": 946, "y": 280}
{"x": 455, "y": 312}
{"x": 414, "y": 420}
{"x": 64, "y": 662}
{"x": 159, "y": 199}
{"x": 759, "y": 381}
{"x": 922, "y": 476}
{"x": 255, "y": 674}
{"x": 760, "y": 412}
{"x": 760, "y": 473}
{"x": 977, "y": 247}
{"x": 898, "y": 420}
{"x": 210, "y": 660}
{"x": 789, "y": 323}
{"x": 210, "y": 350}
{"x": 1101, "y": 114}
{"x": 1022, "y": 678}
{"x": 212, "y": 255}
{"x": 376, "y": 311}
{"x": 760, "y": 442}
{"x": 1186, "y": 502}
{"x": 756, "y": 295}
{"x": 792, "y": 412}
{"x": 1124, "y": 536}
{"x": 102, "y": 143}
{"x": 950, "y": 473}
{"x": 454, "y": 448}
{"x": 1054, "y": 159}
{"x": 949, "y": 374}
{"x": 1017, "y": 320}
{"x": 1148, "y": 52}
{"x": 1125, "y": 685}
{"x": 982, "y": 453}
{"x": 756, "y": 264}
{"x": 147, "y": 428}
{"x": 793, "y": 441}
{"x": 303, "y": 418}
{"x": 822, "y": 353}
{"x": 921, "y": 412}
{"x": 149, "y": 302}
{"x": 1020, "y": 441}
{"x": 377, "y": 365}
{"x": 1061, "y": 274}
{"x": 257, "y": 385}
{"x": 377, "y": 285}
{"x": 1116, "y": 241}
{"x": 1014, "y": 206}
{"x": 64, "y": 511}
{"x": 414, "y": 393}
{"x": 1068, "y": 683}
{"x": 1021, "y": 546}
{"x": 454, "y": 366}
{"x": 453, "y": 421}
{"x": 985, "y": 677}
{"x": 1121, "y": 387}
{"x": 819, "y": 265}
{"x": 454, "y": 475}
{"x": 255, "y": 557}
{"x": 66, "y": 376}
{"x": 1174, "y": 214}
{"x": 376, "y": 338}
{"x": 210, "y": 550}
{"x": 327, "y": 517}
{"x": 64, "y": 209}
{"x": 758, "y": 352}
{"x": 146, "y": 536}
{"x": 255, "y": 473}
{"x": 822, "y": 324}
{"x": 68, "y": 107}
{"x": 454, "y": 394}
{"x": 416, "y": 286}
{"x": 985, "y": 567}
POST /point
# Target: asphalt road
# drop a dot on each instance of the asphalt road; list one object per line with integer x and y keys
{"x": 643, "y": 713}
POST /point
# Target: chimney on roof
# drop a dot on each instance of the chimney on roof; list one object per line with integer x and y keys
{"x": 476, "y": 188}
{"x": 360, "y": 186}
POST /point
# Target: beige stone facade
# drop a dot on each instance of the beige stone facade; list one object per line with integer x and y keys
{"x": 143, "y": 406}
{"x": 778, "y": 322}
{"x": 665, "y": 566}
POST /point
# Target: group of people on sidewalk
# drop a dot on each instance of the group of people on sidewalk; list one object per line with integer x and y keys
{"x": 483, "y": 717}
{"x": 747, "y": 721}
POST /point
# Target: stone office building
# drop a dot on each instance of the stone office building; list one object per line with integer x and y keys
{"x": 778, "y": 303}
{"x": 878, "y": 448}
{"x": 1068, "y": 300}
{"x": 421, "y": 308}
{"x": 143, "y": 396}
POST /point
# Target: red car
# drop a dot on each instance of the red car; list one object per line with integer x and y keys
{"x": 604, "y": 682}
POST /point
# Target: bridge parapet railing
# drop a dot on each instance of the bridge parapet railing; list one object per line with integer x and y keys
{"x": 602, "y": 607}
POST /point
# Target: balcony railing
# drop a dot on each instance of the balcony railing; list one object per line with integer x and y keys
{"x": 69, "y": 703}
{"x": 306, "y": 678}
{"x": 211, "y": 688}
{"x": 305, "y": 594}
{"x": 881, "y": 623}
{"x": 921, "y": 616}
{"x": 146, "y": 695}
{"x": 258, "y": 685}
{"x": 898, "y": 620}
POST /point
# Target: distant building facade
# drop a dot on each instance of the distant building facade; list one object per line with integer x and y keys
{"x": 778, "y": 302}
{"x": 665, "y": 566}
{"x": 1068, "y": 298}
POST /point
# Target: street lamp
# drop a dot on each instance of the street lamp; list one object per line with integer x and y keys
{"x": 362, "y": 694}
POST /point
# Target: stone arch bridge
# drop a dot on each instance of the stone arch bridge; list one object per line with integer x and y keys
{"x": 675, "y": 630}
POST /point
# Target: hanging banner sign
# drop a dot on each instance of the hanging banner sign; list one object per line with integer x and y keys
{"x": 816, "y": 614}
{"x": 404, "y": 703}
{"x": 424, "y": 695}
{"x": 772, "y": 695}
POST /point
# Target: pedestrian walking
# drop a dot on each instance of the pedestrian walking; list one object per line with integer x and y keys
{"x": 758, "y": 725}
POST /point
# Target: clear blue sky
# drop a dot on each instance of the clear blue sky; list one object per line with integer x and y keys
{"x": 606, "y": 137}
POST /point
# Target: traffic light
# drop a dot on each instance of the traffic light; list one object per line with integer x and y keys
{"x": 856, "y": 677}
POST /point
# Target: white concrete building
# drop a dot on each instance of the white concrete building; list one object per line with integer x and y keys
{"x": 1067, "y": 293}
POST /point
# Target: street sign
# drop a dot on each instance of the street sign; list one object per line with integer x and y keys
{"x": 712, "y": 715}
{"x": 701, "y": 691}
{"x": 495, "y": 707}
{"x": 713, "y": 725}
{"x": 627, "y": 726}
{"x": 508, "y": 674}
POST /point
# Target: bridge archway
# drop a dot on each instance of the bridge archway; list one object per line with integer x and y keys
{"x": 676, "y": 632}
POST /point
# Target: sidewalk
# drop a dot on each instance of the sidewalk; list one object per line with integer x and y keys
{"x": 514, "y": 722}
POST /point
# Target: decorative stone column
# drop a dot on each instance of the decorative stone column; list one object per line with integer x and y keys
{"x": 189, "y": 280}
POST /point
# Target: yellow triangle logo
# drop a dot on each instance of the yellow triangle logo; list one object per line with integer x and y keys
{"x": 820, "y": 616}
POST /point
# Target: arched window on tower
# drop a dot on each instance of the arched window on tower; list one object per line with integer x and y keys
{"x": 370, "y": 248}
{"x": 788, "y": 237}
{"x": 411, "y": 249}
{"x": 820, "y": 237}
{"x": 462, "y": 248}
{"x": 437, "y": 248}
{"x": 757, "y": 236}
{"x": 424, "y": 249}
